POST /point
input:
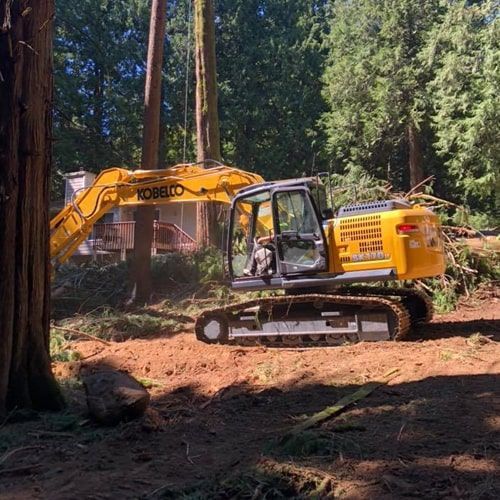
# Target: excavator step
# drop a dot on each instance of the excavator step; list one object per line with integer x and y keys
{"x": 307, "y": 319}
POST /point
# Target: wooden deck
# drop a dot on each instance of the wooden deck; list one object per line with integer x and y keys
{"x": 119, "y": 237}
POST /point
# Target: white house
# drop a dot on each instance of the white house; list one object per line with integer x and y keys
{"x": 175, "y": 224}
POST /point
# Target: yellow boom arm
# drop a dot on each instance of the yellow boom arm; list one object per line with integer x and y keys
{"x": 118, "y": 187}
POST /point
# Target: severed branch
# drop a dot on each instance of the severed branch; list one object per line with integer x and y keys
{"x": 71, "y": 331}
{"x": 419, "y": 185}
{"x": 11, "y": 453}
{"x": 328, "y": 412}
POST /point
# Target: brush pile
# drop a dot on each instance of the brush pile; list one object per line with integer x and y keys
{"x": 473, "y": 255}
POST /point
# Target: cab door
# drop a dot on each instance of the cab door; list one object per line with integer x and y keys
{"x": 300, "y": 239}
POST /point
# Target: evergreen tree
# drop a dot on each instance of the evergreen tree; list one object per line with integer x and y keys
{"x": 100, "y": 63}
{"x": 376, "y": 90}
{"x": 26, "y": 380}
{"x": 100, "y": 49}
{"x": 270, "y": 60}
{"x": 464, "y": 53}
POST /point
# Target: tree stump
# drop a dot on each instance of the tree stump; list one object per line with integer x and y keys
{"x": 113, "y": 397}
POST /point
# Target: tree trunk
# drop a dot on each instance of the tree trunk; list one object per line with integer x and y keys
{"x": 26, "y": 380}
{"x": 415, "y": 155}
{"x": 207, "y": 118}
{"x": 143, "y": 232}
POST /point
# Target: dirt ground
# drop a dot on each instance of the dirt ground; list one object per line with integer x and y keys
{"x": 219, "y": 413}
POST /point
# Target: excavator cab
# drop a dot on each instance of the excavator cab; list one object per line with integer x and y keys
{"x": 275, "y": 232}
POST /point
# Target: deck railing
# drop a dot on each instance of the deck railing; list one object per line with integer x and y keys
{"x": 119, "y": 236}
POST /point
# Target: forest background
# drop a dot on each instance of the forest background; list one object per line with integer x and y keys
{"x": 359, "y": 88}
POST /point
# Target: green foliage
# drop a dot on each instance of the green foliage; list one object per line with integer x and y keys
{"x": 463, "y": 52}
{"x": 374, "y": 84}
{"x": 100, "y": 61}
{"x": 323, "y": 84}
{"x": 429, "y": 65}
{"x": 267, "y": 480}
{"x": 117, "y": 325}
{"x": 209, "y": 264}
{"x": 444, "y": 298}
{"x": 202, "y": 267}
{"x": 466, "y": 270}
{"x": 356, "y": 185}
{"x": 60, "y": 348}
{"x": 96, "y": 293}
{"x": 476, "y": 220}
{"x": 307, "y": 443}
{"x": 99, "y": 58}
{"x": 175, "y": 267}
{"x": 83, "y": 288}
{"x": 269, "y": 85}
{"x": 270, "y": 58}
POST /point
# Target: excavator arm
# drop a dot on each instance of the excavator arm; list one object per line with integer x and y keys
{"x": 119, "y": 187}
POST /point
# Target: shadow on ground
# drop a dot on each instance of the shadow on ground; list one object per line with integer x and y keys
{"x": 435, "y": 438}
{"x": 448, "y": 329}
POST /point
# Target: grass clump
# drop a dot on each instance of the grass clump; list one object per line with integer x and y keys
{"x": 113, "y": 324}
{"x": 60, "y": 348}
{"x": 267, "y": 372}
{"x": 268, "y": 479}
{"x": 317, "y": 442}
{"x": 148, "y": 383}
{"x": 83, "y": 288}
{"x": 466, "y": 271}
{"x": 306, "y": 444}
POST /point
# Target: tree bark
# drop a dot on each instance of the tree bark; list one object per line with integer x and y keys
{"x": 143, "y": 231}
{"x": 207, "y": 118}
{"x": 26, "y": 380}
{"x": 415, "y": 155}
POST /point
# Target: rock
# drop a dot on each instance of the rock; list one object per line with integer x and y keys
{"x": 114, "y": 396}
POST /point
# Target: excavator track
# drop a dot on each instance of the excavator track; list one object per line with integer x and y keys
{"x": 418, "y": 303}
{"x": 305, "y": 320}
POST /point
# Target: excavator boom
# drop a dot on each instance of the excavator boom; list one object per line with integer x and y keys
{"x": 119, "y": 187}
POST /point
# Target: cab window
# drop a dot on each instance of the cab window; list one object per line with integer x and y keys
{"x": 252, "y": 219}
{"x": 296, "y": 213}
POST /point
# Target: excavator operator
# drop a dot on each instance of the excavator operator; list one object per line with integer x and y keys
{"x": 263, "y": 257}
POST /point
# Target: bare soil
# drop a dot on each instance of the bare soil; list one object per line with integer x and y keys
{"x": 219, "y": 413}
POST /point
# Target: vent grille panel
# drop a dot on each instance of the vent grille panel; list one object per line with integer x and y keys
{"x": 361, "y": 229}
{"x": 371, "y": 246}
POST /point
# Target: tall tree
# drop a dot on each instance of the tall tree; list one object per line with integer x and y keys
{"x": 26, "y": 380}
{"x": 270, "y": 59}
{"x": 376, "y": 88}
{"x": 464, "y": 54}
{"x": 143, "y": 233}
{"x": 99, "y": 51}
{"x": 269, "y": 86}
{"x": 207, "y": 117}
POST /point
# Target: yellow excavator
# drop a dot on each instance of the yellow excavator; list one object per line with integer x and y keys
{"x": 282, "y": 236}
